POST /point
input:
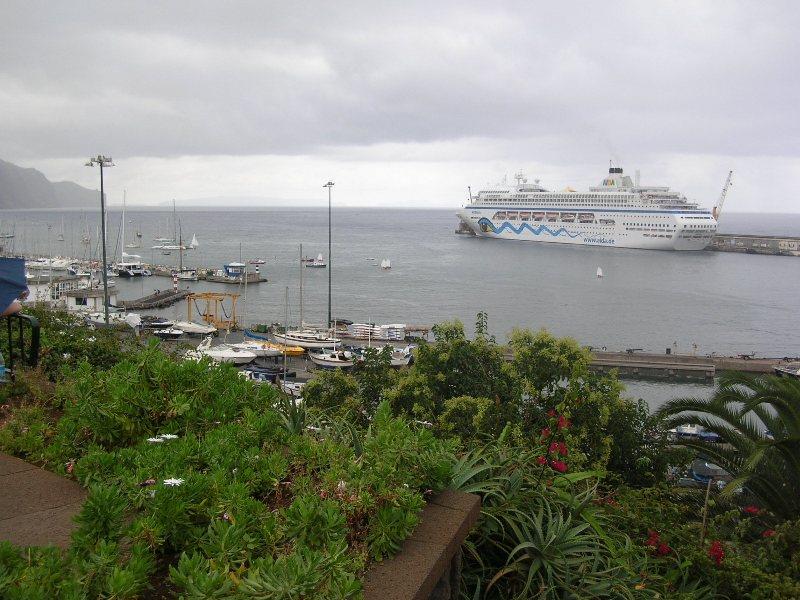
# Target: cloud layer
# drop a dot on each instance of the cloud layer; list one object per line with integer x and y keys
{"x": 476, "y": 88}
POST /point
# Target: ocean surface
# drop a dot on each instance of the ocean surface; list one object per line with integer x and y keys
{"x": 722, "y": 302}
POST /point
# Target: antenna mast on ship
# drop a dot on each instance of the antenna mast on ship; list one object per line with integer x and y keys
{"x": 718, "y": 208}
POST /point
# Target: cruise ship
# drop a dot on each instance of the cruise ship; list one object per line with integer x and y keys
{"x": 617, "y": 213}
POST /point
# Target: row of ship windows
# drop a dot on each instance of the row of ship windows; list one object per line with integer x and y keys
{"x": 550, "y": 217}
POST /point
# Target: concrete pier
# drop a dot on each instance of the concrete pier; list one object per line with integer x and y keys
{"x": 679, "y": 366}
{"x": 755, "y": 244}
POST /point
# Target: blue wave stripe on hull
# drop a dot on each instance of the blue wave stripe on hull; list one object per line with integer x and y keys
{"x": 506, "y": 226}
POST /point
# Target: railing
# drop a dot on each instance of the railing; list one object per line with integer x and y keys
{"x": 16, "y": 348}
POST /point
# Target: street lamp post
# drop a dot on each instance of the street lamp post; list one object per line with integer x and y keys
{"x": 329, "y": 185}
{"x": 103, "y": 161}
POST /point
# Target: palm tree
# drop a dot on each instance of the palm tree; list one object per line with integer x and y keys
{"x": 758, "y": 420}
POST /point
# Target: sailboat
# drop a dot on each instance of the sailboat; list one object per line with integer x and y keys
{"x": 317, "y": 263}
{"x": 130, "y": 265}
{"x": 386, "y": 264}
{"x": 60, "y": 236}
{"x": 599, "y": 272}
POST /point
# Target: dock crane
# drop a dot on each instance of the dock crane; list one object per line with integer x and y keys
{"x": 718, "y": 208}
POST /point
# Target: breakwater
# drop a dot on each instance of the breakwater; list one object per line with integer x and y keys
{"x": 755, "y": 244}
{"x": 680, "y": 366}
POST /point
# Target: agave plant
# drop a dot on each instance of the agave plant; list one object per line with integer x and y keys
{"x": 758, "y": 420}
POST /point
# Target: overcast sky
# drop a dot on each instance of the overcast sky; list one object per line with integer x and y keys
{"x": 403, "y": 103}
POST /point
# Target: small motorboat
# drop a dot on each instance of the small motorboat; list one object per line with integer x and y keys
{"x": 153, "y": 322}
{"x": 257, "y": 261}
{"x": 224, "y": 353}
{"x": 168, "y": 333}
{"x": 333, "y": 359}
{"x": 97, "y": 319}
{"x": 263, "y": 375}
{"x": 386, "y": 264}
{"x": 186, "y": 274}
{"x": 192, "y": 328}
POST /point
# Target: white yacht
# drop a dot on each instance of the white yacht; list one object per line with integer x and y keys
{"x": 130, "y": 266}
{"x": 306, "y": 339}
{"x": 618, "y": 213}
{"x": 222, "y": 353}
{"x": 333, "y": 359}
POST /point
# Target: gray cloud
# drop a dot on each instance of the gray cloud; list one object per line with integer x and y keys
{"x": 565, "y": 81}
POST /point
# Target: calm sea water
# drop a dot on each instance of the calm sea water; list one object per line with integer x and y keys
{"x": 724, "y": 303}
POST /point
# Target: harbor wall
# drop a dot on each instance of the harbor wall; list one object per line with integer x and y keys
{"x": 755, "y": 244}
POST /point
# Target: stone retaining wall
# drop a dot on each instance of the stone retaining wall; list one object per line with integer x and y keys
{"x": 428, "y": 567}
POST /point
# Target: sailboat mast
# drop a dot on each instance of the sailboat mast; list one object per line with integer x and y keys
{"x": 301, "y": 286}
{"x": 285, "y": 332}
{"x": 122, "y": 241}
{"x": 180, "y": 248}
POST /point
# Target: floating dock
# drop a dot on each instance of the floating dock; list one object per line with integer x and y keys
{"x": 159, "y": 299}
{"x": 208, "y": 275}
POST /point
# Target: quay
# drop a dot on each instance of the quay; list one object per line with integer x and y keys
{"x": 755, "y": 244}
{"x": 159, "y": 299}
{"x": 679, "y": 366}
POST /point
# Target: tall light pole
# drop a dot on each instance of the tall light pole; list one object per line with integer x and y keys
{"x": 103, "y": 161}
{"x": 329, "y": 185}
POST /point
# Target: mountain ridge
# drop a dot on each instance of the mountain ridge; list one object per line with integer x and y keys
{"x": 26, "y": 187}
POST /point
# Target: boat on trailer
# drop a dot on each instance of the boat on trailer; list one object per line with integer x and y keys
{"x": 307, "y": 338}
{"x": 333, "y": 359}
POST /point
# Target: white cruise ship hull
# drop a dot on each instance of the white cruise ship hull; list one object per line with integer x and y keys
{"x": 649, "y": 230}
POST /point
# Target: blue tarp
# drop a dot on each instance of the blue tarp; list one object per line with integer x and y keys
{"x": 12, "y": 280}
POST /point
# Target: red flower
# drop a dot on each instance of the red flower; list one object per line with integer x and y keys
{"x": 562, "y": 449}
{"x": 751, "y": 510}
{"x": 663, "y": 549}
{"x": 768, "y": 533}
{"x": 551, "y": 413}
{"x": 653, "y": 538}
{"x": 546, "y": 433}
{"x": 554, "y": 446}
{"x": 563, "y": 422}
{"x": 716, "y": 552}
{"x": 541, "y": 460}
{"x": 558, "y": 465}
